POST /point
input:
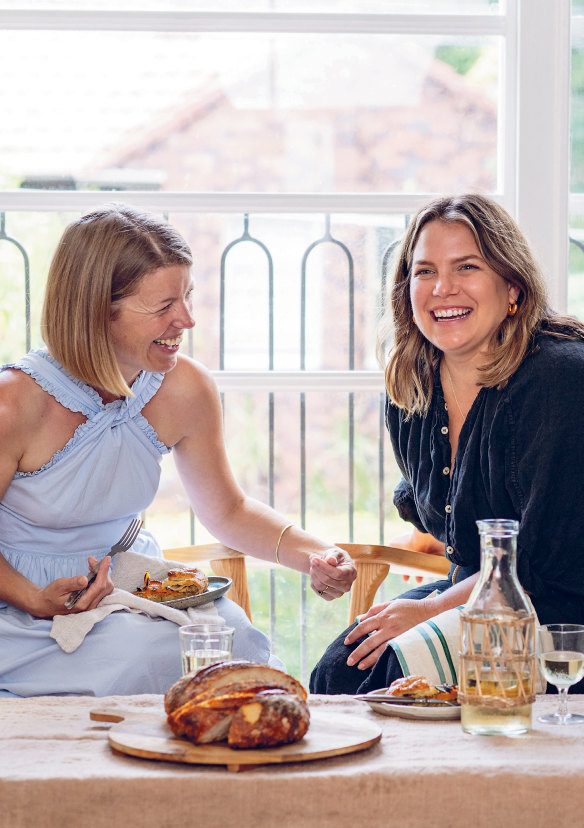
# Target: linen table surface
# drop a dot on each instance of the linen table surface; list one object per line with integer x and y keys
{"x": 57, "y": 769}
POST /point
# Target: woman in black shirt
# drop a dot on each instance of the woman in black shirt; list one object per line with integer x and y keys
{"x": 485, "y": 409}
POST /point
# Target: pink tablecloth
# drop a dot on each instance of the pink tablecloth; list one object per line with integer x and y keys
{"x": 57, "y": 769}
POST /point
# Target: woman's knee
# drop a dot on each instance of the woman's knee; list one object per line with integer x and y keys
{"x": 332, "y": 675}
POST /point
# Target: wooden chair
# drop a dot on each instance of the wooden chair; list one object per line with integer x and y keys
{"x": 223, "y": 561}
{"x": 374, "y": 562}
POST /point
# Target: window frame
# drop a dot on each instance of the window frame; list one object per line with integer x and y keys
{"x": 533, "y": 162}
{"x": 533, "y": 117}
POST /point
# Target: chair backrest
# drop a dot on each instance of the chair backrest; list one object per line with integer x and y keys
{"x": 373, "y": 562}
{"x": 223, "y": 561}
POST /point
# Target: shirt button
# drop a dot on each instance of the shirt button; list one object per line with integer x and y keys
{"x": 444, "y": 429}
{"x": 446, "y": 470}
{"x": 448, "y": 508}
{"x": 449, "y": 550}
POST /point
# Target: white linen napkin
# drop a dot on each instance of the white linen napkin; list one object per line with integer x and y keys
{"x": 128, "y": 570}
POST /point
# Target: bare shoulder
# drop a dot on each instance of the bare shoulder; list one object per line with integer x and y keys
{"x": 21, "y": 398}
{"x": 188, "y": 382}
{"x": 187, "y": 401}
{"x": 22, "y": 404}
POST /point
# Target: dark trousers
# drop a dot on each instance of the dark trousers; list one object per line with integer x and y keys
{"x": 332, "y": 675}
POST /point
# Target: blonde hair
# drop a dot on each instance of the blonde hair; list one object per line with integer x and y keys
{"x": 412, "y": 359}
{"x": 101, "y": 259}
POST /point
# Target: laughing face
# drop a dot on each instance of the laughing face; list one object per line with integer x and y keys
{"x": 459, "y": 302}
{"x": 147, "y": 327}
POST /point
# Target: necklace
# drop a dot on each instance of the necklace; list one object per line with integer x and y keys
{"x": 454, "y": 392}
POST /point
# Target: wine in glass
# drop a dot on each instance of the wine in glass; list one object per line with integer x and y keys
{"x": 560, "y": 650}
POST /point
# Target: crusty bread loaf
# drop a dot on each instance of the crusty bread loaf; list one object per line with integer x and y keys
{"x": 237, "y": 674}
{"x": 271, "y": 718}
{"x": 250, "y": 705}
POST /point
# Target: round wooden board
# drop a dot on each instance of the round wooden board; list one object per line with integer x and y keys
{"x": 328, "y": 735}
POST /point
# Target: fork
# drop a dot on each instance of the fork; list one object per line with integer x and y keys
{"x": 124, "y": 543}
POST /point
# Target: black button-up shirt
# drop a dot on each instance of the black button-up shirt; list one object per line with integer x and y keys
{"x": 520, "y": 456}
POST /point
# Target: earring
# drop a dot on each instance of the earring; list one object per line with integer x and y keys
{"x": 512, "y": 310}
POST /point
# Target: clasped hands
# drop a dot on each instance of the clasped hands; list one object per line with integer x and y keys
{"x": 332, "y": 573}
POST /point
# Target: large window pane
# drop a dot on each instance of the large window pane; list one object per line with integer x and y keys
{"x": 234, "y": 113}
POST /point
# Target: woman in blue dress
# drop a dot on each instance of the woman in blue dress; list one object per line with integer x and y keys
{"x": 83, "y": 427}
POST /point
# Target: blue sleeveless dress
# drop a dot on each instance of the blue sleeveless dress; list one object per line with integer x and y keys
{"x": 77, "y": 505}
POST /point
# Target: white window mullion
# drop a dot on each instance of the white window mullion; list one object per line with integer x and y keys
{"x": 241, "y": 22}
{"x": 507, "y": 121}
{"x": 201, "y": 202}
{"x": 297, "y": 381}
{"x": 543, "y": 140}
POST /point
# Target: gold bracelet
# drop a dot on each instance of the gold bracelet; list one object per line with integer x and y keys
{"x": 289, "y": 526}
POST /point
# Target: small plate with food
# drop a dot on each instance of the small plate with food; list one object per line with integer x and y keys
{"x": 414, "y": 697}
{"x": 184, "y": 588}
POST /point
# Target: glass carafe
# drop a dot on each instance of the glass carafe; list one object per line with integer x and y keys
{"x": 497, "y": 658}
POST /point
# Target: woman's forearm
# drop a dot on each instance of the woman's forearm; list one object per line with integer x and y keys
{"x": 254, "y": 528}
{"x": 450, "y": 598}
{"x": 258, "y": 530}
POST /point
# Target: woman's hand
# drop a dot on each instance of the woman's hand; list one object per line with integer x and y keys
{"x": 383, "y": 622}
{"x": 332, "y": 573}
{"x": 50, "y": 601}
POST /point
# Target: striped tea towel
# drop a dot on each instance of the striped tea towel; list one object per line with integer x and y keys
{"x": 432, "y": 649}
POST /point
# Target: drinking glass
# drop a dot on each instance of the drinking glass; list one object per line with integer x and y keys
{"x": 204, "y": 644}
{"x": 560, "y": 650}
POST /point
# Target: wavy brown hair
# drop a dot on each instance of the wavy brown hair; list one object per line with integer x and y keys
{"x": 412, "y": 360}
{"x": 102, "y": 258}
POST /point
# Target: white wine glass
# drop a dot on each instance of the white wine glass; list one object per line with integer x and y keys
{"x": 560, "y": 650}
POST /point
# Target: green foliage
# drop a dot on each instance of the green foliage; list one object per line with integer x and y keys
{"x": 322, "y": 620}
{"x": 461, "y": 58}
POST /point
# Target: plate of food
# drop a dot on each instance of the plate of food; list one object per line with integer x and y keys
{"x": 414, "y": 697}
{"x": 184, "y": 588}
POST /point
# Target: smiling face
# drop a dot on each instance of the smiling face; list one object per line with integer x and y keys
{"x": 146, "y": 328}
{"x": 458, "y": 301}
